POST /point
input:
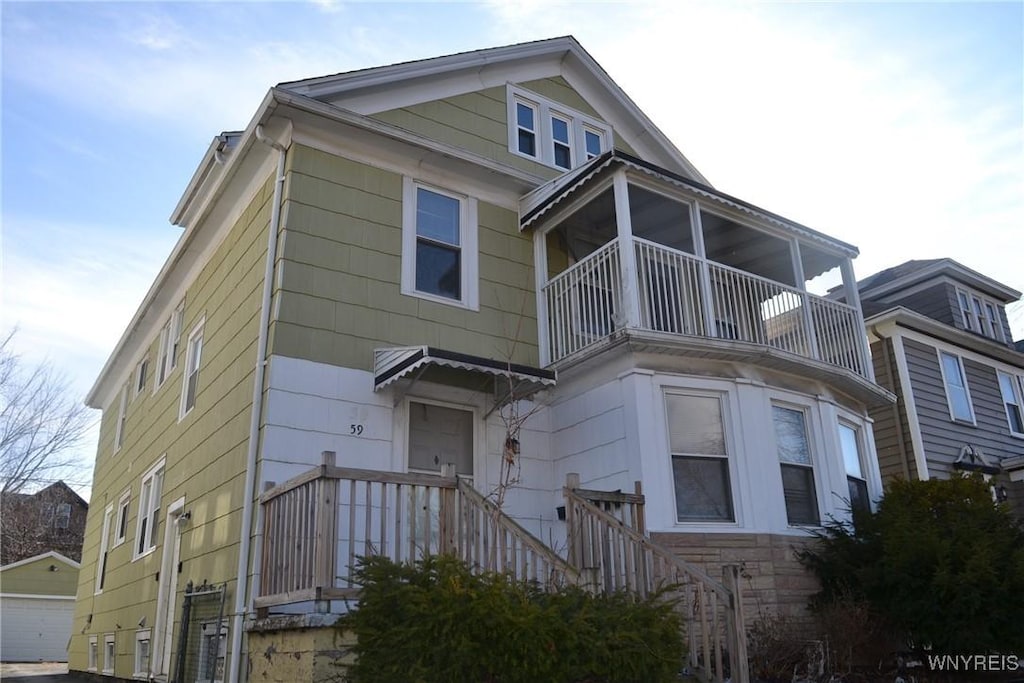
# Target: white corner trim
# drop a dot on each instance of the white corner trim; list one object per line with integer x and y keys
{"x": 909, "y": 405}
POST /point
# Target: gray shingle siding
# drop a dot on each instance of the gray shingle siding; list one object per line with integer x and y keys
{"x": 937, "y": 302}
{"x": 942, "y": 437}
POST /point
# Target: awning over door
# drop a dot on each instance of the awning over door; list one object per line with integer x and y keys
{"x": 486, "y": 374}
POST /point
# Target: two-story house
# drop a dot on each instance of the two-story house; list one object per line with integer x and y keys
{"x": 941, "y": 341}
{"x": 491, "y": 265}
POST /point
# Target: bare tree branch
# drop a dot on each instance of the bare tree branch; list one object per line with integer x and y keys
{"x": 41, "y": 423}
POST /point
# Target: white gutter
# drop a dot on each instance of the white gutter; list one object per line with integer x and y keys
{"x": 244, "y": 542}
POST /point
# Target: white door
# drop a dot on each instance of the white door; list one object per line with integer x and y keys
{"x": 35, "y": 629}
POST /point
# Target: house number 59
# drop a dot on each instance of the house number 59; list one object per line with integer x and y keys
{"x": 355, "y": 430}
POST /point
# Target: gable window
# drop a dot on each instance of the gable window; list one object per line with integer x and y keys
{"x": 551, "y": 133}
{"x": 957, "y": 394}
{"x": 193, "y": 358}
{"x": 850, "y": 444}
{"x": 63, "y": 518}
{"x": 141, "y": 372}
{"x": 109, "y": 654}
{"x": 700, "y": 460}
{"x": 122, "y": 419}
{"x": 121, "y": 526}
{"x": 1012, "y": 390}
{"x": 439, "y": 245}
{"x": 526, "y": 128}
{"x": 970, "y": 322}
{"x": 149, "y": 510}
{"x": 794, "y": 448}
{"x": 170, "y": 338}
{"x": 993, "y": 321}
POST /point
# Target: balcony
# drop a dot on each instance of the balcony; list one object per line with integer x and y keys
{"x": 632, "y": 253}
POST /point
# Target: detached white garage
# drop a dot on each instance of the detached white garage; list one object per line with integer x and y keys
{"x": 37, "y": 605}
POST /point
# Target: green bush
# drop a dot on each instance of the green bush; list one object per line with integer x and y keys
{"x": 436, "y": 621}
{"x": 940, "y": 563}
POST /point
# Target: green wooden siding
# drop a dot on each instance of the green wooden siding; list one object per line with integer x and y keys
{"x": 338, "y": 294}
{"x": 35, "y": 578}
{"x": 478, "y": 121}
{"x": 205, "y": 451}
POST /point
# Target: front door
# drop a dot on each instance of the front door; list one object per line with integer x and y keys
{"x": 439, "y": 435}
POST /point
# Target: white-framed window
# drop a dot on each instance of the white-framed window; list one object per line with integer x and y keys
{"x": 793, "y": 443}
{"x": 551, "y": 133}
{"x": 109, "y": 654}
{"x": 94, "y": 653}
{"x": 141, "y": 375}
{"x": 980, "y": 315}
{"x": 122, "y": 419}
{"x": 700, "y": 457}
{"x": 193, "y": 361}
{"x": 121, "y": 521}
{"x": 958, "y": 395}
{"x": 142, "y": 653}
{"x": 101, "y": 564}
{"x": 170, "y": 340}
{"x": 212, "y": 652}
{"x": 439, "y": 245}
{"x": 1012, "y": 390}
{"x": 149, "y": 510}
{"x": 851, "y": 445}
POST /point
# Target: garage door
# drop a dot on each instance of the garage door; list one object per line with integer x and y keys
{"x": 35, "y": 629}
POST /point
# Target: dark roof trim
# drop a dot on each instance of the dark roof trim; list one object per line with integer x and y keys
{"x": 560, "y": 187}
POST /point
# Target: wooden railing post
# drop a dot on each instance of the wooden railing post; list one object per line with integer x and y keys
{"x": 326, "y": 532}
{"x": 572, "y": 531}
{"x": 267, "y": 570}
{"x": 735, "y": 625}
{"x": 447, "y": 541}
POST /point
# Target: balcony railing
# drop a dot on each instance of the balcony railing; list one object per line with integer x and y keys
{"x": 685, "y": 295}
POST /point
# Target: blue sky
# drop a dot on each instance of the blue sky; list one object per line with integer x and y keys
{"x": 896, "y": 127}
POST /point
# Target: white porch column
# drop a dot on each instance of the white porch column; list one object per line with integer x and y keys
{"x": 540, "y": 273}
{"x": 801, "y": 283}
{"x": 627, "y": 256}
{"x": 853, "y": 299}
{"x": 707, "y": 303}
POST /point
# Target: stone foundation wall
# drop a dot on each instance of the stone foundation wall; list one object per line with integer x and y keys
{"x": 776, "y": 583}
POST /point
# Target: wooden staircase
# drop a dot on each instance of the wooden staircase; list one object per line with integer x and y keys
{"x": 316, "y": 525}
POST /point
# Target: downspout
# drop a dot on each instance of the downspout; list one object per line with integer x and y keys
{"x": 900, "y": 436}
{"x": 244, "y": 543}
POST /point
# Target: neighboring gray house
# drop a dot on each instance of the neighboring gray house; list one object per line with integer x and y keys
{"x": 941, "y": 341}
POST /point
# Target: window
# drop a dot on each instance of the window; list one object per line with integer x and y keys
{"x": 957, "y": 394}
{"x": 793, "y": 444}
{"x": 101, "y": 566}
{"x": 190, "y": 382}
{"x": 439, "y": 238}
{"x": 526, "y": 128}
{"x": 552, "y": 134}
{"x": 1012, "y": 389}
{"x": 850, "y": 444}
{"x": 94, "y": 653}
{"x": 170, "y": 338}
{"x": 63, "y": 518}
{"x": 980, "y": 315}
{"x": 47, "y": 514}
{"x": 141, "y": 371}
{"x": 122, "y": 419}
{"x": 700, "y": 462}
{"x": 109, "y": 654}
{"x": 121, "y": 526}
{"x": 142, "y": 653}
{"x": 212, "y": 650}
{"x": 149, "y": 510}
